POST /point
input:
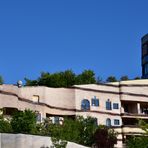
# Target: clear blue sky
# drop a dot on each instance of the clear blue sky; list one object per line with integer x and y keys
{"x": 55, "y": 35}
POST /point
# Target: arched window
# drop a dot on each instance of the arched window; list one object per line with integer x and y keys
{"x": 85, "y": 105}
{"x": 108, "y": 122}
{"x": 108, "y": 105}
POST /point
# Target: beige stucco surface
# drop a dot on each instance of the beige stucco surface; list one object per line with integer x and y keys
{"x": 67, "y": 101}
{"x": 29, "y": 141}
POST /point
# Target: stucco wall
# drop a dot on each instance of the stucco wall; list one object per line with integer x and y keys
{"x": 29, "y": 141}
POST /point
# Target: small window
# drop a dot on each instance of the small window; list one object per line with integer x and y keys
{"x": 108, "y": 122}
{"x": 116, "y": 122}
{"x": 38, "y": 117}
{"x": 95, "y": 101}
{"x": 35, "y": 98}
{"x": 85, "y": 105}
{"x": 115, "y": 106}
{"x": 56, "y": 120}
{"x": 108, "y": 105}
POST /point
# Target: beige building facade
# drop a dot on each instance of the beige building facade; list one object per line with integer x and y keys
{"x": 117, "y": 104}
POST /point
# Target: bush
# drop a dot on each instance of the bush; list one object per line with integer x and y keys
{"x": 5, "y": 126}
{"x": 24, "y": 122}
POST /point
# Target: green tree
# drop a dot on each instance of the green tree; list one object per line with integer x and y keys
{"x": 63, "y": 79}
{"x": 137, "y": 78}
{"x": 111, "y": 79}
{"x": 139, "y": 141}
{"x": 24, "y": 122}
{"x": 124, "y": 78}
{"x": 5, "y": 126}
{"x": 86, "y": 77}
{"x": 80, "y": 130}
{"x": 31, "y": 82}
{"x": 1, "y": 80}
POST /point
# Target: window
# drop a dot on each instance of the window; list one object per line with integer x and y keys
{"x": 116, "y": 122}
{"x": 146, "y": 68}
{"x": 56, "y": 120}
{"x": 95, "y": 101}
{"x": 38, "y": 117}
{"x": 108, "y": 105}
{"x": 115, "y": 106}
{"x": 35, "y": 98}
{"x": 108, "y": 122}
{"x": 85, "y": 105}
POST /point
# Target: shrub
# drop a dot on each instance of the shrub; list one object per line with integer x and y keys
{"x": 5, "y": 126}
{"x": 24, "y": 122}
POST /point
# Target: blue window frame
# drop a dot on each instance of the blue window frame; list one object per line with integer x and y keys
{"x": 115, "y": 106}
{"x": 108, "y": 105}
{"x": 85, "y": 105}
{"x": 95, "y": 101}
{"x": 116, "y": 122}
{"x": 108, "y": 122}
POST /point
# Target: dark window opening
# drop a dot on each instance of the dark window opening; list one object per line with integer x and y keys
{"x": 85, "y": 105}
{"x": 108, "y": 122}
{"x": 115, "y": 106}
{"x": 116, "y": 122}
{"x": 108, "y": 105}
{"x": 95, "y": 101}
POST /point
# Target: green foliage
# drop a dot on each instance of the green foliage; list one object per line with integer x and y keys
{"x": 111, "y": 79}
{"x": 88, "y": 128}
{"x": 63, "y": 79}
{"x": 1, "y": 80}
{"x": 124, "y": 78}
{"x": 5, "y": 126}
{"x": 144, "y": 126}
{"x": 86, "y": 77}
{"x": 80, "y": 130}
{"x": 137, "y": 78}
{"x": 24, "y": 122}
{"x": 58, "y": 143}
{"x": 139, "y": 141}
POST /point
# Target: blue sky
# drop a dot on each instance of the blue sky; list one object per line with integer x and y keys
{"x": 55, "y": 35}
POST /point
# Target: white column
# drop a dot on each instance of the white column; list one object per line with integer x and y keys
{"x": 138, "y": 108}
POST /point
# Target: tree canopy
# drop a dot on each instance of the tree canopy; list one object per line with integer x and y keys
{"x": 68, "y": 78}
{"x": 63, "y": 79}
{"x": 111, "y": 79}
{"x": 124, "y": 78}
{"x": 1, "y": 80}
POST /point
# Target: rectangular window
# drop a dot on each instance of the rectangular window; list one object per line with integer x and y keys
{"x": 108, "y": 105}
{"x": 35, "y": 98}
{"x": 115, "y": 106}
{"x": 38, "y": 117}
{"x": 56, "y": 120}
{"x": 116, "y": 122}
{"x": 95, "y": 102}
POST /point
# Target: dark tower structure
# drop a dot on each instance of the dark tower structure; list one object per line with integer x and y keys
{"x": 144, "y": 57}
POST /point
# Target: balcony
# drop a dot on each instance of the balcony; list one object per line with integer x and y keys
{"x": 134, "y": 110}
{"x": 132, "y": 130}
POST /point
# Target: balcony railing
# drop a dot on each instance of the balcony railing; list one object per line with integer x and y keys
{"x": 132, "y": 129}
